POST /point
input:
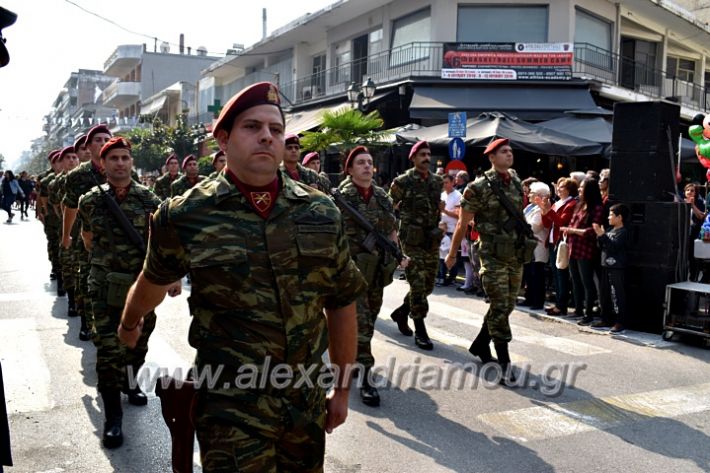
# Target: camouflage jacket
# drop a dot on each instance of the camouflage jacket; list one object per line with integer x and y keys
{"x": 378, "y": 211}
{"x": 44, "y": 184}
{"x": 40, "y": 176}
{"x": 311, "y": 178}
{"x": 181, "y": 185}
{"x": 56, "y": 190}
{"x": 213, "y": 174}
{"x": 418, "y": 200}
{"x": 81, "y": 180}
{"x": 111, "y": 247}
{"x": 258, "y": 286}
{"x": 479, "y": 199}
{"x": 162, "y": 185}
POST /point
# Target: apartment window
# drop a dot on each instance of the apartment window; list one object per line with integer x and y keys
{"x": 679, "y": 68}
{"x": 376, "y": 61}
{"x": 591, "y": 29}
{"x": 409, "y": 29}
{"x": 342, "y": 67}
{"x": 505, "y": 24}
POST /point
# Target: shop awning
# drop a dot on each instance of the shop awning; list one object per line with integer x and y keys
{"x": 154, "y": 106}
{"x": 528, "y": 102}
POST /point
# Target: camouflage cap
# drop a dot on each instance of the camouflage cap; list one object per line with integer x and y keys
{"x": 261, "y": 93}
{"x": 117, "y": 142}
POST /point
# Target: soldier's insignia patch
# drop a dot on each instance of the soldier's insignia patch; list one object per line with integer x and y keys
{"x": 261, "y": 200}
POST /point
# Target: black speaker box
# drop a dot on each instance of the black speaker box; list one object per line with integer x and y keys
{"x": 643, "y": 158}
{"x": 658, "y": 256}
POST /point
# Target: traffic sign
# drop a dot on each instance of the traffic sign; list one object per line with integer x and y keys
{"x": 457, "y": 148}
{"x": 457, "y": 124}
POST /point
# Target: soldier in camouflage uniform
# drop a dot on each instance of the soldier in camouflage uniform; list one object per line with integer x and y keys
{"x": 373, "y": 203}
{"x": 219, "y": 161}
{"x": 266, "y": 255}
{"x": 300, "y": 173}
{"x": 80, "y": 181}
{"x": 163, "y": 183}
{"x": 82, "y": 150}
{"x": 115, "y": 263}
{"x": 188, "y": 180}
{"x": 39, "y": 209}
{"x": 51, "y": 222}
{"x": 68, "y": 160}
{"x": 417, "y": 192}
{"x": 501, "y": 257}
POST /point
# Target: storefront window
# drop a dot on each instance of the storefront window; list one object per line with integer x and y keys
{"x": 517, "y": 24}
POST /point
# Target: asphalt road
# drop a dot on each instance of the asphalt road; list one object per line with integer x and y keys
{"x": 587, "y": 402}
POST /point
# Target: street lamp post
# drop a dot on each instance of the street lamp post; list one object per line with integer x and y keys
{"x": 361, "y": 95}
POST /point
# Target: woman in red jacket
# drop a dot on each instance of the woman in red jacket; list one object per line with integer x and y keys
{"x": 555, "y": 217}
{"x": 583, "y": 249}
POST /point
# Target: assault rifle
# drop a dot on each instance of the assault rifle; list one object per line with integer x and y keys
{"x": 374, "y": 238}
{"x": 120, "y": 217}
{"x": 517, "y": 220}
{"x": 176, "y": 398}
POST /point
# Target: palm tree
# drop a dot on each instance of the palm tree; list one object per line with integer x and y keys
{"x": 343, "y": 129}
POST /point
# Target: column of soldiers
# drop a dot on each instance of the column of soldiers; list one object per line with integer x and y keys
{"x": 164, "y": 182}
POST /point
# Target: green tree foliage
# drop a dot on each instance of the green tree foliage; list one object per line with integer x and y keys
{"x": 150, "y": 147}
{"x": 344, "y": 129}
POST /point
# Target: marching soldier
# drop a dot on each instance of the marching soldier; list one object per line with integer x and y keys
{"x": 163, "y": 183}
{"x": 68, "y": 160}
{"x": 39, "y": 210}
{"x": 266, "y": 255}
{"x": 300, "y": 173}
{"x": 417, "y": 192}
{"x": 116, "y": 259}
{"x": 219, "y": 161}
{"x": 189, "y": 179}
{"x": 81, "y": 149}
{"x": 501, "y": 256}
{"x": 51, "y": 221}
{"x": 377, "y": 266}
{"x": 80, "y": 181}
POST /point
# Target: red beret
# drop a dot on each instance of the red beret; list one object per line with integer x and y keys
{"x": 494, "y": 145}
{"x": 356, "y": 151}
{"x": 171, "y": 157}
{"x": 417, "y": 146}
{"x": 64, "y": 152}
{"x": 216, "y": 156}
{"x": 188, "y": 158}
{"x": 96, "y": 130}
{"x": 117, "y": 142}
{"x": 52, "y": 154}
{"x": 261, "y": 93}
{"x": 81, "y": 141}
{"x": 292, "y": 139}
{"x": 309, "y": 156}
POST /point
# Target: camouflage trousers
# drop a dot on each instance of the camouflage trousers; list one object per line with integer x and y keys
{"x": 68, "y": 258}
{"x": 81, "y": 283}
{"x": 112, "y": 357}
{"x": 368, "y": 307}
{"x": 501, "y": 280}
{"x": 51, "y": 227}
{"x": 261, "y": 433}
{"x": 421, "y": 273}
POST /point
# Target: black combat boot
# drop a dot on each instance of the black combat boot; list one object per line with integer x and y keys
{"x": 401, "y": 316}
{"x": 421, "y": 337}
{"x": 481, "y": 345}
{"x": 368, "y": 393}
{"x": 60, "y": 286}
{"x": 84, "y": 332}
{"x": 113, "y": 435}
{"x": 52, "y": 275}
{"x": 71, "y": 306}
{"x": 504, "y": 362}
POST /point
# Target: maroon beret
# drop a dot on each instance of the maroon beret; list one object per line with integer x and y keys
{"x": 188, "y": 158}
{"x": 309, "y": 156}
{"x": 356, "y": 151}
{"x": 171, "y": 157}
{"x": 117, "y": 142}
{"x": 216, "y": 156}
{"x": 494, "y": 145}
{"x": 417, "y": 146}
{"x": 65, "y": 151}
{"x": 96, "y": 130}
{"x": 81, "y": 141}
{"x": 52, "y": 153}
{"x": 261, "y": 93}
{"x": 292, "y": 139}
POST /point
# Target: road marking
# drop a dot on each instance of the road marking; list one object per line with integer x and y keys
{"x": 25, "y": 373}
{"x": 520, "y": 334}
{"x": 448, "y": 338}
{"x": 560, "y": 420}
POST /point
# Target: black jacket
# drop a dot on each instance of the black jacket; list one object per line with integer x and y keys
{"x": 5, "y": 457}
{"x": 613, "y": 245}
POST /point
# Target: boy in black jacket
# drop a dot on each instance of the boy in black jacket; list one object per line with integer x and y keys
{"x": 613, "y": 245}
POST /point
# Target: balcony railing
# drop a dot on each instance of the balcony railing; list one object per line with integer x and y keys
{"x": 120, "y": 94}
{"x": 613, "y": 69}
